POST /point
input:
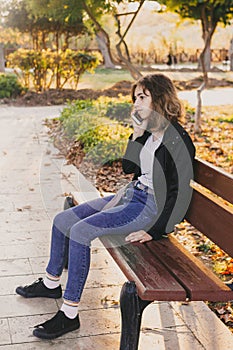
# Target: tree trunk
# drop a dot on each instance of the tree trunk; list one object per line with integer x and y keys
{"x": 207, "y": 59}
{"x": 43, "y": 39}
{"x": 197, "y": 125}
{"x": 135, "y": 73}
{"x": 2, "y": 61}
{"x": 231, "y": 55}
{"x": 104, "y": 46}
{"x": 208, "y": 28}
{"x": 102, "y": 38}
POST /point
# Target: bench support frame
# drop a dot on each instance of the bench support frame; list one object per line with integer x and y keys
{"x": 132, "y": 307}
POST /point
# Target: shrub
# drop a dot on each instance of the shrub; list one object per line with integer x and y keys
{"x": 103, "y": 140}
{"x": 226, "y": 119}
{"x": 105, "y": 143}
{"x": 9, "y": 86}
{"x": 42, "y": 68}
{"x": 77, "y": 118}
{"x": 119, "y": 110}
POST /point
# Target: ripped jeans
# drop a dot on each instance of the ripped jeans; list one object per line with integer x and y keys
{"x": 75, "y": 228}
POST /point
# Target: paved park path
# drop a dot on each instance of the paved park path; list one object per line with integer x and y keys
{"x": 33, "y": 182}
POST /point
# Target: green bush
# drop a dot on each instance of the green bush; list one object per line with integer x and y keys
{"x": 9, "y": 86}
{"x": 43, "y": 68}
{"x": 77, "y": 118}
{"x": 103, "y": 140}
{"x": 105, "y": 143}
{"x": 119, "y": 110}
{"x": 228, "y": 119}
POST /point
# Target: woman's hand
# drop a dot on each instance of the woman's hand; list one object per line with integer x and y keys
{"x": 139, "y": 236}
{"x": 139, "y": 129}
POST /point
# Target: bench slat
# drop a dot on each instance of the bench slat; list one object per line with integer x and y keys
{"x": 197, "y": 279}
{"x": 212, "y": 220}
{"x": 215, "y": 179}
{"x": 152, "y": 279}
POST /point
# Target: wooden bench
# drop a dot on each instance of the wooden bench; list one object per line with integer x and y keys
{"x": 164, "y": 270}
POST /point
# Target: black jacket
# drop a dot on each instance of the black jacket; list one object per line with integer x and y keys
{"x": 172, "y": 172}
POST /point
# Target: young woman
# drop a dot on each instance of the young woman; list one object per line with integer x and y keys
{"x": 160, "y": 156}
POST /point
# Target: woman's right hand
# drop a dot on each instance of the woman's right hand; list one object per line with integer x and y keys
{"x": 139, "y": 129}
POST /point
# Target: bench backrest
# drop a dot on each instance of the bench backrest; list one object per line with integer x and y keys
{"x": 211, "y": 215}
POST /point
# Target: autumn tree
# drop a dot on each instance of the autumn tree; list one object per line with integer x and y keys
{"x": 92, "y": 13}
{"x": 72, "y": 12}
{"x": 210, "y": 13}
{"x": 39, "y": 20}
{"x": 65, "y": 17}
{"x": 95, "y": 10}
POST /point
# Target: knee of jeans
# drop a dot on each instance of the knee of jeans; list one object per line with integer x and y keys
{"x": 59, "y": 222}
{"x": 80, "y": 235}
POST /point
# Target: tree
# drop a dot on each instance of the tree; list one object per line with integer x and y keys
{"x": 88, "y": 12}
{"x": 126, "y": 59}
{"x": 92, "y": 11}
{"x": 72, "y": 12}
{"x": 65, "y": 17}
{"x": 210, "y": 13}
{"x": 95, "y": 10}
{"x": 39, "y": 19}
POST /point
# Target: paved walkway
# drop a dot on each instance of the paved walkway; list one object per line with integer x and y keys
{"x": 213, "y": 97}
{"x": 33, "y": 183}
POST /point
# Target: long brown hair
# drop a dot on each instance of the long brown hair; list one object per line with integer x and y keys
{"x": 166, "y": 105}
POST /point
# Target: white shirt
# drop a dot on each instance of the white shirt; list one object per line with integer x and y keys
{"x": 147, "y": 158}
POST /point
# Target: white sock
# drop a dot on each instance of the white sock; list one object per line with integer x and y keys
{"x": 71, "y": 311}
{"x": 51, "y": 284}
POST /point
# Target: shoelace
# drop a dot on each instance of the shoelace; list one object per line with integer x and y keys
{"x": 32, "y": 286}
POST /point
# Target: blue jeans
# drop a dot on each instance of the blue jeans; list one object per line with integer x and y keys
{"x": 75, "y": 228}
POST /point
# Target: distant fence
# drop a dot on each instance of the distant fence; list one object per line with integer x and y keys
{"x": 160, "y": 56}
{"x": 147, "y": 57}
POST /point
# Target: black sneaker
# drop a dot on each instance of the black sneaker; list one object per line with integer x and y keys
{"x": 38, "y": 289}
{"x": 55, "y": 327}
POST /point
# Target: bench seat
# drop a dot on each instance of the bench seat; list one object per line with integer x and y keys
{"x": 164, "y": 270}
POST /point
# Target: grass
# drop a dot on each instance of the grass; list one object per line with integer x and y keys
{"x": 104, "y": 78}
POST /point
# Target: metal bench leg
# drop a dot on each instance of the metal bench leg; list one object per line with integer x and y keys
{"x": 132, "y": 307}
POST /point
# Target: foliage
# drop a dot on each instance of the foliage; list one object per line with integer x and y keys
{"x": 102, "y": 141}
{"x": 63, "y": 18}
{"x": 214, "y": 144}
{"x": 12, "y": 38}
{"x": 47, "y": 66}
{"x": 40, "y": 20}
{"x": 9, "y": 86}
{"x": 118, "y": 109}
{"x": 227, "y": 120}
{"x": 77, "y": 118}
{"x": 209, "y": 12}
{"x": 105, "y": 143}
{"x": 220, "y": 11}
{"x": 189, "y": 110}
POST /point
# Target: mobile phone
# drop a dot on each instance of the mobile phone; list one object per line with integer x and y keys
{"x": 136, "y": 117}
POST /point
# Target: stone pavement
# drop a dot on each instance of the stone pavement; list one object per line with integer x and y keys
{"x": 34, "y": 180}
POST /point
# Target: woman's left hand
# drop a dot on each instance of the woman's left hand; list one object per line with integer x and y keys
{"x": 139, "y": 236}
